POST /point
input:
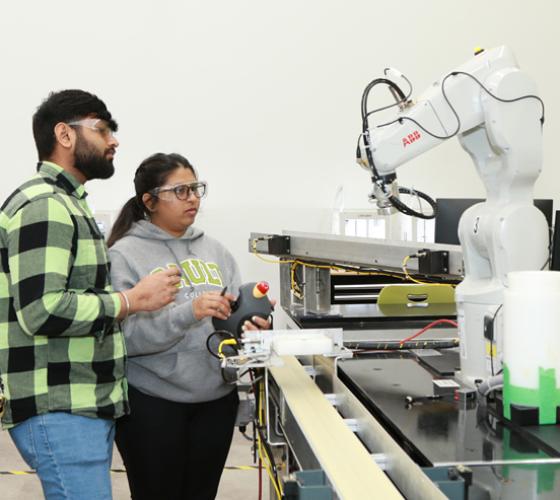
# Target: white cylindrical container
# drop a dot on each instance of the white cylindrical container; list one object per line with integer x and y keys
{"x": 531, "y": 344}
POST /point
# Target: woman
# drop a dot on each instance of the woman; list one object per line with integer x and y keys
{"x": 175, "y": 441}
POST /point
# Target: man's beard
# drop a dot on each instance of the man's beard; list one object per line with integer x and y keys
{"x": 90, "y": 162}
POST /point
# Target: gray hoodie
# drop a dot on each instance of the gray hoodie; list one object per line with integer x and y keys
{"x": 167, "y": 355}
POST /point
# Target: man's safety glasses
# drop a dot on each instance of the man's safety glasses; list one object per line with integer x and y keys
{"x": 182, "y": 191}
{"x": 96, "y": 124}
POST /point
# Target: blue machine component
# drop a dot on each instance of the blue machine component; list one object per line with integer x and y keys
{"x": 308, "y": 485}
{"x": 454, "y": 482}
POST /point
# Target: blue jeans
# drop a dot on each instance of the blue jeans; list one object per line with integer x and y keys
{"x": 71, "y": 454}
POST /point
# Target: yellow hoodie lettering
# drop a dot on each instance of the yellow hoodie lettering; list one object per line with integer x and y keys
{"x": 213, "y": 273}
{"x": 197, "y": 272}
{"x": 194, "y": 271}
{"x": 200, "y": 272}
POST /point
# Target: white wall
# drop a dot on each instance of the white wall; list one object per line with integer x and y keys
{"x": 262, "y": 96}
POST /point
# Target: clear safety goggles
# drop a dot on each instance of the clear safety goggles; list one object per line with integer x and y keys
{"x": 96, "y": 124}
{"x": 181, "y": 191}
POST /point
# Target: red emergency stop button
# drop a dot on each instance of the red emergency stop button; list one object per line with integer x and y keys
{"x": 260, "y": 290}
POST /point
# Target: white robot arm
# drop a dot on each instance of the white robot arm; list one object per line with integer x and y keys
{"x": 493, "y": 109}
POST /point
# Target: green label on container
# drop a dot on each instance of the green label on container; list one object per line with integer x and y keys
{"x": 546, "y": 397}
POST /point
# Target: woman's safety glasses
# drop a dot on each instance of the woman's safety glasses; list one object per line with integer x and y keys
{"x": 182, "y": 191}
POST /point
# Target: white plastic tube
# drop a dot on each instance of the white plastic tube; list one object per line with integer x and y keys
{"x": 302, "y": 344}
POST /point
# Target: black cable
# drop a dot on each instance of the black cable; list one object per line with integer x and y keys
{"x": 209, "y": 338}
{"x": 405, "y": 209}
{"x": 367, "y": 90}
{"x": 245, "y": 435}
{"x": 365, "y": 125}
{"x": 501, "y": 99}
{"x": 405, "y": 100}
{"x": 453, "y": 110}
{"x": 419, "y": 125}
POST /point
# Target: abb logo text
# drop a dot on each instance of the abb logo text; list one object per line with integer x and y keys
{"x": 410, "y": 138}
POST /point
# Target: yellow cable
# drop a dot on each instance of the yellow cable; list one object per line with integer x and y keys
{"x": 296, "y": 290}
{"x": 405, "y": 271}
{"x": 293, "y": 283}
{"x": 269, "y": 261}
{"x": 225, "y": 342}
{"x": 410, "y": 278}
{"x": 265, "y": 459}
{"x": 297, "y": 262}
{"x": 268, "y": 469}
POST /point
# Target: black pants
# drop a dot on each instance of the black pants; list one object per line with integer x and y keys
{"x": 175, "y": 450}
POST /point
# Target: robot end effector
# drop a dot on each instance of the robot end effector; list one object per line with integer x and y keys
{"x": 385, "y": 187}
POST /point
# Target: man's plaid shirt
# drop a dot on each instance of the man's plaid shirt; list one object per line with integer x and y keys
{"x": 61, "y": 348}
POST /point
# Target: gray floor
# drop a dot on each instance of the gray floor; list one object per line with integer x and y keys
{"x": 235, "y": 484}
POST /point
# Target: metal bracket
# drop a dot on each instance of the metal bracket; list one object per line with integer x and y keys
{"x": 381, "y": 459}
{"x": 334, "y": 399}
{"x": 353, "y": 424}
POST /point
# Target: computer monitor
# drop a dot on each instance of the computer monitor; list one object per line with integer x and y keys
{"x": 451, "y": 209}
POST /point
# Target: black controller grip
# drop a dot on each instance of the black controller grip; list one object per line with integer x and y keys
{"x": 244, "y": 308}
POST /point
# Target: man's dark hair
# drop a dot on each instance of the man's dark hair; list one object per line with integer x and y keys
{"x": 65, "y": 106}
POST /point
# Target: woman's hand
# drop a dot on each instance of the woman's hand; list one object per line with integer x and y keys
{"x": 213, "y": 305}
{"x": 257, "y": 323}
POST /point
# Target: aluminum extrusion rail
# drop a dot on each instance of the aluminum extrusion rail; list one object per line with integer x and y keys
{"x": 353, "y": 251}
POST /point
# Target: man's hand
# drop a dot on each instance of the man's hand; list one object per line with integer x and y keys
{"x": 154, "y": 291}
{"x": 212, "y": 304}
{"x": 257, "y": 323}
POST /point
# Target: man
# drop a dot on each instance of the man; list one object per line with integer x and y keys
{"x": 62, "y": 356}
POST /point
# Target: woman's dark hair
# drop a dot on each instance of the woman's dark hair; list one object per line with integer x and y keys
{"x": 65, "y": 106}
{"x": 152, "y": 173}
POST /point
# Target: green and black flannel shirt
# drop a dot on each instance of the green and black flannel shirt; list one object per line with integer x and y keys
{"x": 61, "y": 348}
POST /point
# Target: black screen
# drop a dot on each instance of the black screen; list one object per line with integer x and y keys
{"x": 451, "y": 209}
